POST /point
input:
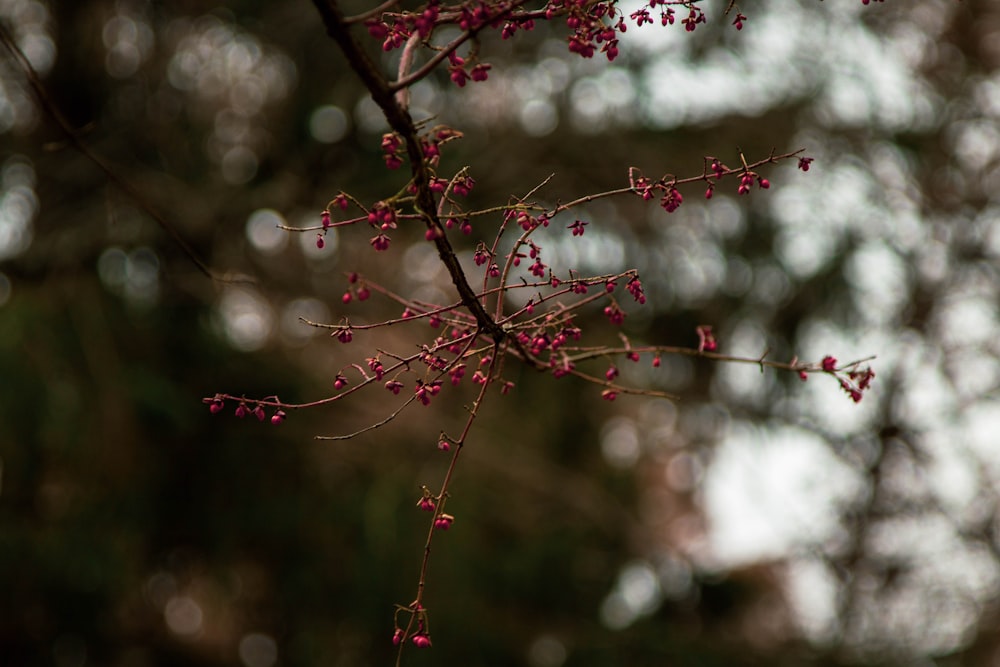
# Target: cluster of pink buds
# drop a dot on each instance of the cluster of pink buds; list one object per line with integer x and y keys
{"x": 343, "y": 333}
{"x": 666, "y": 14}
{"x": 538, "y": 268}
{"x": 592, "y": 25}
{"x": 242, "y": 410}
{"x": 634, "y": 287}
{"x": 456, "y": 373}
{"x": 526, "y": 221}
{"x": 695, "y": 17}
{"x": 362, "y": 292}
{"x": 391, "y": 150}
{"x": 510, "y": 27}
{"x": 459, "y": 74}
{"x": 431, "y": 143}
{"x": 382, "y": 216}
{"x": 420, "y": 639}
{"x": 561, "y": 367}
{"x": 670, "y": 197}
{"x": 426, "y": 390}
{"x": 641, "y": 16}
{"x": 614, "y": 314}
{"x": 424, "y": 22}
{"x": 482, "y": 255}
{"x": 747, "y": 180}
{"x": 217, "y": 404}
{"x": 671, "y": 200}
{"x": 854, "y": 383}
{"x": 392, "y": 36}
{"x": 444, "y": 521}
{"x": 706, "y": 339}
{"x": 463, "y": 185}
{"x": 375, "y": 366}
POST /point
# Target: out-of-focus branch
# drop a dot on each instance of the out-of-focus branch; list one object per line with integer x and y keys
{"x": 74, "y": 139}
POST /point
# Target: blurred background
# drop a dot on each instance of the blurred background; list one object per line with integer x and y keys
{"x": 759, "y": 520}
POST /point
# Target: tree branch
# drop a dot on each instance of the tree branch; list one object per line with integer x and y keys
{"x": 399, "y": 119}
